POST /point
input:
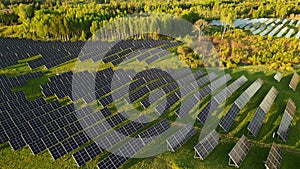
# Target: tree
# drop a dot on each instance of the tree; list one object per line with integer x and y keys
{"x": 201, "y": 25}
{"x": 227, "y": 18}
{"x": 83, "y": 36}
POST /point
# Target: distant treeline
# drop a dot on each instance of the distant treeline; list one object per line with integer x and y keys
{"x": 74, "y": 20}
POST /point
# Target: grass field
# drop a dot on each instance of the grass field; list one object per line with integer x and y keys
{"x": 184, "y": 157}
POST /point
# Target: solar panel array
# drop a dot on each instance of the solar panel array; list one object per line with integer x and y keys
{"x": 175, "y": 141}
{"x": 294, "y": 82}
{"x": 130, "y": 148}
{"x": 107, "y": 141}
{"x": 188, "y": 104}
{"x": 286, "y": 121}
{"x": 227, "y": 121}
{"x": 207, "y": 145}
{"x": 153, "y": 132}
{"x": 61, "y": 129}
{"x": 260, "y": 114}
{"x": 274, "y": 158}
{"x": 239, "y": 152}
{"x": 220, "y": 98}
{"x": 242, "y": 100}
{"x": 146, "y": 85}
{"x": 52, "y": 53}
{"x": 187, "y": 89}
{"x": 265, "y": 26}
{"x": 81, "y": 137}
{"x": 151, "y": 49}
{"x": 154, "y": 80}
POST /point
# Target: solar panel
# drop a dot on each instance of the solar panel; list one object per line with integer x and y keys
{"x": 207, "y": 145}
{"x": 180, "y": 137}
{"x": 86, "y": 154}
{"x": 269, "y": 99}
{"x": 161, "y": 108}
{"x": 290, "y": 107}
{"x": 274, "y": 158}
{"x": 256, "y": 122}
{"x": 278, "y": 76}
{"x": 220, "y": 98}
{"x": 130, "y": 148}
{"x": 57, "y": 151}
{"x": 290, "y": 32}
{"x": 119, "y": 157}
{"x": 3, "y": 136}
{"x": 261, "y": 112}
{"x": 117, "y": 135}
{"x": 282, "y": 31}
{"x": 239, "y": 152}
{"x": 227, "y": 121}
{"x": 229, "y": 90}
{"x": 109, "y": 140}
{"x": 220, "y": 82}
{"x": 69, "y": 129}
{"x": 173, "y": 86}
{"x": 275, "y": 30}
{"x": 286, "y": 120}
{"x": 242, "y": 100}
{"x": 17, "y": 143}
{"x": 207, "y": 110}
{"x": 186, "y": 106}
{"x": 28, "y": 123}
{"x": 154, "y": 131}
{"x": 294, "y": 82}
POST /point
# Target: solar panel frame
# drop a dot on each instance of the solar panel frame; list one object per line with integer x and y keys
{"x": 239, "y": 152}
{"x": 269, "y": 99}
{"x": 278, "y": 76}
{"x": 207, "y": 145}
{"x": 257, "y": 121}
{"x": 220, "y": 98}
{"x": 227, "y": 121}
{"x": 274, "y": 157}
{"x": 175, "y": 141}
{"x": 242, "y": 100}
{"x": 286, "y": 121}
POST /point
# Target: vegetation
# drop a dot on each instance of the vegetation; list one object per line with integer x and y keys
{"x": 69, "y": 20}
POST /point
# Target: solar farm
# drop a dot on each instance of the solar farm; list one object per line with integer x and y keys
{"x": 46, "y": 121}
{"x": 280, "y": 28}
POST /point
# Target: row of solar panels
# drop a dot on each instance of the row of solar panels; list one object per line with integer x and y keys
{"x": 52, "y": 53}
{"x": 55, "y": 53}
{"x": 238, "y": 153}
{"x": 265, "y": 26}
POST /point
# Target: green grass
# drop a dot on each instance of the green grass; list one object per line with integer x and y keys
{"x": 184, "y": 157}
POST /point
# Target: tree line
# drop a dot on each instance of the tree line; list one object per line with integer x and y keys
{"x": 77, "y": 20}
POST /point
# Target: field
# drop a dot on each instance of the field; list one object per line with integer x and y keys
{"x": 184, "y": 157}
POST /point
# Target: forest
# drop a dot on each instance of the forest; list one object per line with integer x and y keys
{"x": 77, "y": 20}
